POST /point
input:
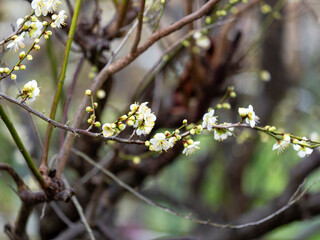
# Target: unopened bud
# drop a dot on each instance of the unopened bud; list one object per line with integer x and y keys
{"x": 88, "y": 92}
{"x": 97, "y": 124}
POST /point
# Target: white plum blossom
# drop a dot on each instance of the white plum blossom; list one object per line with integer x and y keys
{"x": 145, "y": 119}
{"x": 201, "y": 40}
{"x": 51, "y": 5}
{"x": 221, "y": 134}
{"x": 40, "y": 7}
{"x": 302, "y": 150}
{"x": 30, "y": 90}
{"x": 108, "y": 129}
{"x": 19, "y": 22}
{"x": 191, "y": 148}
{"x": 209, "y": 120}
{"x": 59, "y": 20}
{"x": 159, "y": 142}
{"x": 35, "y": 29}
{"x": 281, "y": 145}
{"x": 172, "y": 141}
{"x": 17, "y": 42}
{"x": 249, "y": 115}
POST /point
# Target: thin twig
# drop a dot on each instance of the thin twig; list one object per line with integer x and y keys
{"x": 139, "y": 28}
{"x": 15, "y": 176}
{"x": 80, "y": 212}
{"x": 189, "y": 217}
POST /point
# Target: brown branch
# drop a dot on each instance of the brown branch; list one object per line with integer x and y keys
{"x": 139, "y": 28}
{"x": 18, "y": 180}
{"x": 108, "y": 70}
{"x": 74, "y": 131}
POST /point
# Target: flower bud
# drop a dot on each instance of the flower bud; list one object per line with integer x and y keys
{"x": 29, "y": 57}
{"x": 49, "y": 33}
{"x": 1, "y": 70}
{"x": 36, "y": 47}
{"x": 177, "y": 131}
{"x": 130, "y": 123}
{"x": 185, "y": 122}
{"x": 121, "y": 126}
{"x": 208, "y": 20}
{"x": 178, "y": 137}
{"x": 101, "y": 94}
{"x": 95, "y": 104}
{"x": 37, "y": 40}
{"x": 273, "y": 128}
{"x": 295, "y": 141}
{"x": 190, "y": 141}
{"x": 136, "y": 160}
{"x": 147, "y": 143}
{"x": 185, "y": 145}
{"x": 22, "y": 54}
{"x": 88, "y": 92}
{"x": 6, "y": 70}
{"x": 16, "y": 68}
{"x": 90, "y": 121}
{"x": 44, "y": 23}
{"x": 23, "y": 67}
{"x": 233, "y": 94}
{"x": 219, "y": 106}
{"x": 192, "y": 131}
{"x": 97, "y": 124}
{"x": 226, "y": 106}
{"x": 88, "y": 109}
{"x": 13, "y": 76}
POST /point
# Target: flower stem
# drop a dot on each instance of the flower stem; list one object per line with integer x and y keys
{"x": 20, "y": 146}
{"x": 54, "y": 106}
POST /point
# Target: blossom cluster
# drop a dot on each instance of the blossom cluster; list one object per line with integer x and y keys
{"x": 300, "y": 146}
{"x": 32, "y": 28}
{"x": 140, "y": 118}
{"x": 30, "y": 91}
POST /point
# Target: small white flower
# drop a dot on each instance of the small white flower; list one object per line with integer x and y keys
{"x": 172, "y": 141}
{"x": 209, "y": 120}
{"x": 51, "y": 5}
{"x": 108, "y": 129}
{"x": 249, "y": 115}
{"x": 145, "y": 119}
{"x": 159, "y": 143}
{"x": 30, "y": 90}
{"x": 40, "y": 7}
{"x": 59, "y": 20}
{"x": 19, "y": 22}
{"x": 221, "y": 134}
{"x": 17, "y": 42}
{"x": 134, "y": 106}
{"x": 302, "y": 150}
{"x": 191, "y": 148}
{"x": 35, "y": 29}
{"x": 281, "y": 145}
{"x": 201, "y": 40}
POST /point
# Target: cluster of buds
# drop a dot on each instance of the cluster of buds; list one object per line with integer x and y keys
{"x": 91, "y": 109}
